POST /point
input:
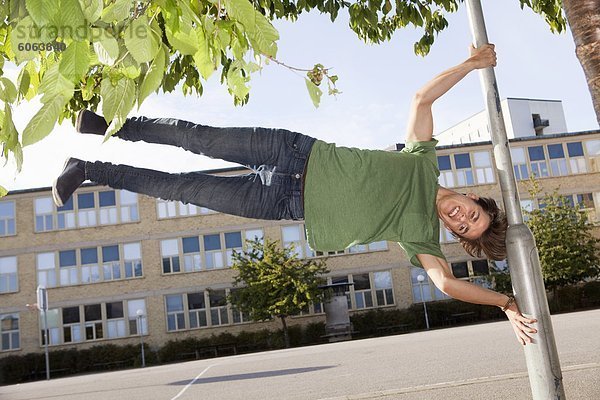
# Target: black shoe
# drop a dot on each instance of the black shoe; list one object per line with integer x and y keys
{"x": 70, "y": 179}
{"x": 90, "y": 122}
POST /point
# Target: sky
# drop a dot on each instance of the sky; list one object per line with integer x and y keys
{"x": 376, "y": 81}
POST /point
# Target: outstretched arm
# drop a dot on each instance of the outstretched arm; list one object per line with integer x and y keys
{"x": 440, "y": 273}
{"x": 420, "y": 121}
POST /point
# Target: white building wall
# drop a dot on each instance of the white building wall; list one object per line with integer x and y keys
{"x": 518, "y": 119}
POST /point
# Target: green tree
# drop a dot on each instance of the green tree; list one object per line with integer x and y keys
{"x": 273, "y": 282}
{"x": 73, "y": 53}
{"x": 569, "y": 252}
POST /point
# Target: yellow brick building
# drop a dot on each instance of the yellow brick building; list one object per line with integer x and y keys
{"x": 108, "y": 255}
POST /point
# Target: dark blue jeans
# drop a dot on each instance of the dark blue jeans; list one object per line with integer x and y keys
{"x": 273, "y": 190}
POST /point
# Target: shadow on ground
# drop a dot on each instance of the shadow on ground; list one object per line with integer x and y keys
{"x": 253, "y": 375}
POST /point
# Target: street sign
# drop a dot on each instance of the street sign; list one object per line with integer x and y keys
{"x": 42, "y": 298}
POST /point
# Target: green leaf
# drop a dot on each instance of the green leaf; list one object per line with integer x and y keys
{"x": 92, "y": 9}
{"x": 54, "y": 84}
{"x": 181, "y": 34}
{"x": 75, "y": 61}
{"x": 23, "y": 82}
{"x": 3, "y": 191}
{"x": 314, "y": 92}
{"x": 87, "y": 91}
{"x": 21, "y": 36}
{"x": 140, "y": 40}
{"x": 18, "y": 153}
{"x": 237, "y": 82}
{"x": 34, "y": 81}
{"x": 70, "y": 20}
{"x": 117, "y": 11}
{"x": 41, "y": 11}
{"x": 261, "y": 33}
{"x": 8, "y": 91}
{"x": 43, "y": 122}
{"x": 9, "y": 136}
{"x": 117, "y": 101}
{"x": 202, "y": 59}
{"x": 106, "y": 47}
{"x": 153, "y": 77}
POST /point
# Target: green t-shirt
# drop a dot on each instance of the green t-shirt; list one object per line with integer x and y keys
{"x": 354, "y": 196}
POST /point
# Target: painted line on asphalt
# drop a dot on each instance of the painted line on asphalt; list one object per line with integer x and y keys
{"x": 193, "y": 381}
{"x": 473, "y": 381}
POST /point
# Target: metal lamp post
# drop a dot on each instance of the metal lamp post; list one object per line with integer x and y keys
{"x": 42, "y": 305}
{"x": 421, "y": 278}
{"x": 140, "y": 316}
{"x": 543, "y": 365}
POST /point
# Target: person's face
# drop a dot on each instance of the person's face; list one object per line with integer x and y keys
{"x": 462, "y": 215}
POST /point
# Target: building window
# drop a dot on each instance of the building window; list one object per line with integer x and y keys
{"x": 90, "y": 271}
{"x": 483, "y": 167}
{"x": 68, "y": 268}
{"x": 108, "y": 207}
{"x": 361, "y": 248}
{"x": 558, "y": 162}
{"x": 446, "y": 235}
{"x": 383, "y": 288}
{"x": 592, "y": 148}
{"x": 170, "y": 256}
{"x": 464, "y": 172}
{"x": 362, "y": 291}
{"x": 369, "y": 290}
{"x": 424, "y": 291}
{"x": 519, "y": 163}
{"x": 129, "y": 206}
{"x": 86, "y": 205}
{"x": 7, "y": 218}
{"x": 197, "y": 310}
{"x": 111, "y": 263}
{"x": 9, "y": 332}
{"x": 85, "y": 209}
{"x": 93, "y": 322}
{"x": 173, "y": 209}
{"x": 295, "y": 236}
{"x": 576, "y": 158}
{"x": 238, "y": 316}
{"x": 71, "y": 325}
{"x": 8, "y": 275}
{"x": 446, "y": 178}
{"x": 206, "y": 252}
{"x": 115, "y": 317}
{"x": 133, "y": 308}
{"x": 476, "y": 271}
{"x": 537, "y": 158}
{"x": 192, "y": 261}
{"x": 480, "y": 267}
{"x": 132, "y": 253}
{"x": 213, "y": 256}
{"x": 65, "y": 216}
{"x": 88, "y": 268}
{"x": 44, "y": 219}
{"x": 54, "y": 326}
{"x": 46, "y": 269}
{"x": 233, "y": 242}
{"x": 175, "y": 313}
{"x": 218, "y": 308}
{"x": 460, "y": 269}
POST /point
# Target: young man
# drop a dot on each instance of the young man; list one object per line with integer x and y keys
{"x": 346, "y": 196}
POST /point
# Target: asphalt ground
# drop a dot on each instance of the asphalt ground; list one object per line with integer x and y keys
{"x": 471, "y": 362}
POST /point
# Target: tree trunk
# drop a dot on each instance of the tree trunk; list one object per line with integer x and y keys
{"x": 286, "y": 336}
{"x": 584, "y": 20}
